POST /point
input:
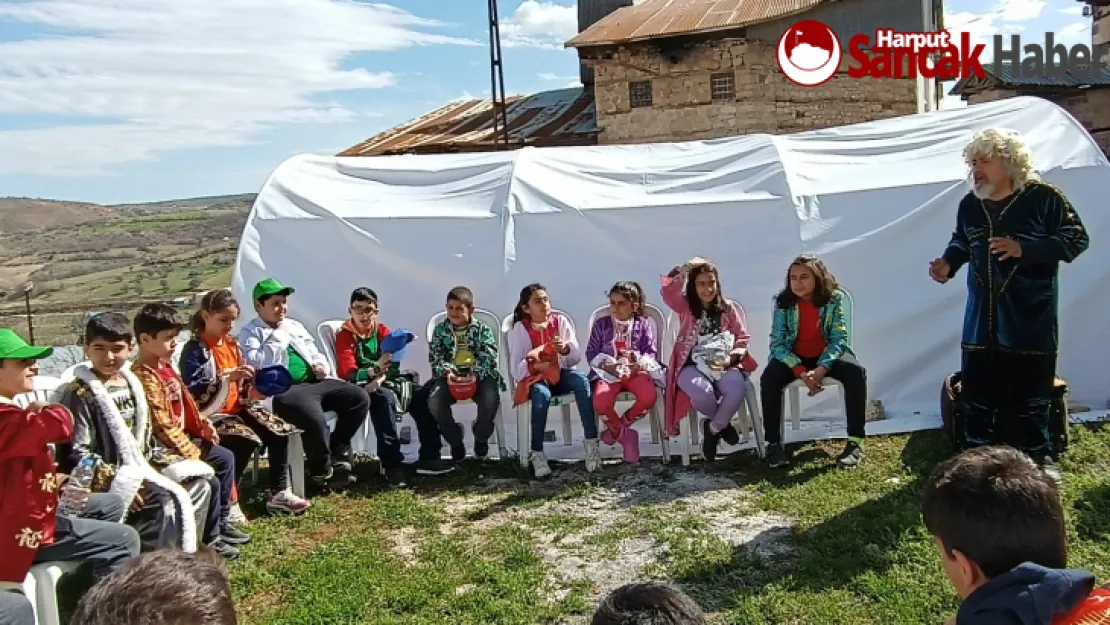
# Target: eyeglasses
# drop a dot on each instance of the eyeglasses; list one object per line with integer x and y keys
{"x": 361, "y": 310}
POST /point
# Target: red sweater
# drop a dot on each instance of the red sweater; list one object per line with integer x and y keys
{"x": 811, "y": 340}
{"x": 28, "y": 487}
{"x": 351, "y": 353}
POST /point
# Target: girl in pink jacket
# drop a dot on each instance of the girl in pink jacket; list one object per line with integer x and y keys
{"x": 693, "y": 292}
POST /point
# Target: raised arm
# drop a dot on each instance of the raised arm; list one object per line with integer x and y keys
{"x": 1067, "y": 237}
{"x": 671, "y": 290}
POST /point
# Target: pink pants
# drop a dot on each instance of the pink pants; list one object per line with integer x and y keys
{"x": 605, "y": 399}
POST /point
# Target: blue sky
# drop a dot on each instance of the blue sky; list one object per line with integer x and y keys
{"x": 138, "y": 100}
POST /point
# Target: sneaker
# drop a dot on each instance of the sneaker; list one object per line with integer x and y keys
{"x": 539, "y": 464}
{"x": 481, "y": 450}
{"x": 593, "y": 455}
{"x": 709, "y": 442}
{"x": 395, "y": 477}
{"x": 234, "y": 536}
{"x": 225, "y": 550}
{"x": 730, "y": 435}
{"x": 851, "y": 456}
{"x": 236, "y": 516}
{"x": 343, "y": 472}
{"x": 1051, "y": 470}
{"x": 285, "y": 502}
{"x": 458, "y": 454}
{"x": 434, "y": 466}
{"x": 323, "y": 479}
{"x": 776, "y": 456}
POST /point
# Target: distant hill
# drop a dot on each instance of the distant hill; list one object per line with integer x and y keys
{"x": 26, "y": 214}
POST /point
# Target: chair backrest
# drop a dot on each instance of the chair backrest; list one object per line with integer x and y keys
{"x": 507, "y": 326}
{"x": 182, "y": 339}
{"x": 849, "y": 307}
{"x": 327, "y": 330}
{"x": 659, "y": 328}
{"x": 44, "y": 387}
{"x": 485, "y": 317}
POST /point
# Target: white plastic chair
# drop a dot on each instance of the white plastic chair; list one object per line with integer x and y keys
{"x": 327, "y": 332}
{"x": 749, "y": 416}
{"x": 523, "y": 411}
{"x": 793, "y": 391}
{"x": 659, "y": 329}
{"x": 27, "y": 588}
{"x": 489, "y": 319}
{"x": 44, "y": 387}
{"x": 46, "y": 576}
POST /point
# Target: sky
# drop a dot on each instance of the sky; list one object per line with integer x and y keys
{"x": 115, "y": 101}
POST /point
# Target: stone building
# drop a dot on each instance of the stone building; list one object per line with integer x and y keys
{"x": 1100, "y": 28}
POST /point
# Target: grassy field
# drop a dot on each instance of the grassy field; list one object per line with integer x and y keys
{"x": 810, "y": 546}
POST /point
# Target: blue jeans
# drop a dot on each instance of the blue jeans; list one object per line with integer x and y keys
{"x": 570, "y": 381}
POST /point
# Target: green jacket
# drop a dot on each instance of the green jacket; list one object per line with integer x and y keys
{"x": 482, "y": 342}
{"x": 784, "y": 332}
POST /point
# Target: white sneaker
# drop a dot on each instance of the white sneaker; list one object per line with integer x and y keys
{"x": 286, "y": 502}
{"x": 593, "y": 455}
{"x": 236, "y": 516}
{"x": 539, "y": 464}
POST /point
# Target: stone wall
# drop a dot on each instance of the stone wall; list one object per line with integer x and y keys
{"x": 765, "y": 101}
{"x": 1090, "y": 107}
{"x": 1100, "y": 31}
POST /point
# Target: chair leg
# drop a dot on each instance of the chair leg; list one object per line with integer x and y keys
{"x": 795, "y": 407}
{"x": 296, "y": 464}
{"x": 254, "y": 467}
{"x": 30, "y": 592}
{"x": 752, "y": 403}
{"x": 684, "y": 440}
{"x": 567, "y": 428}
{"x": 658, "y": 423}
{"x": 523, "y": 434}
{"x": 499, "y": 430}
{"x": 46, "y": 592}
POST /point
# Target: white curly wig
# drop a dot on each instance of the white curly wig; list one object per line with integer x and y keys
{"x": 1008, "y": 145}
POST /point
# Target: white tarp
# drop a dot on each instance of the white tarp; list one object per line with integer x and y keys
{"x": 877, "y": 201}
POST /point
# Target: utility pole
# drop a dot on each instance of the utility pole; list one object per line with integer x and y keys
{"x": 28, "y": 287}
{"x": 497, "y": 79}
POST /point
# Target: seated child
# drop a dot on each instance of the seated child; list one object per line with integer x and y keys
{"x": 998, "y": 523}
{"x": 213, "y": 369}
{"x": 462, "y": 350}
{"x": 623, "y": 353}
{"x": 648, "y": 603}
{"x": 30, "y": 531}
{"x": 543, "y": 352}
{"x": 168, "y": 496}
{"x": 710, "y": 363}
{"x": 358, "y": 352}
{"x": 274, "y": 339}
{"x": 809, "y": 341}
{"x": 175, "y": 420}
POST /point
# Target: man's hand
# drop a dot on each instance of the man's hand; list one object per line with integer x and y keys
{"x": 1004, "y": 247}
{"x": 320, "y": 370}
{"x": 939, "y": 270}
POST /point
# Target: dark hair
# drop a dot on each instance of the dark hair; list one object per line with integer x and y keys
{"x": 824, "y": 283}
{"x": 633, "y": 292}
{"x": 994, "y": 505}
{"x": 462, "y": 295}
{"x": 525, "y": 295}
{"x": 165, "y": 587}
{"x": 213, "y": 301}
{"x": 154, "y": 318}
{"x": 109, "y": 326}
{"x": 364, "y": 294}
{"x": 648, "y": 603}
{"x": 718, "y": 306}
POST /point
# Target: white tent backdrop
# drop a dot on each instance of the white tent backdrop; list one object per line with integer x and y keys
{"x": 876, "y": 201}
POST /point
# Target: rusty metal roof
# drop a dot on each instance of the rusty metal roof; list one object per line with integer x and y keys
{"x": 562, "y": 117}
{"x": 656, "y": 19}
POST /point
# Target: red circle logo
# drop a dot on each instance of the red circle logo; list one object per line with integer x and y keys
{"x": 809, "y": 53}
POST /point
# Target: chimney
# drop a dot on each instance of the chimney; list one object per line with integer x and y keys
{"x": 589, "y": 13}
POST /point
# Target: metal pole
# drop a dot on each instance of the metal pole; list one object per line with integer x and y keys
{"x": 30, "y": 319}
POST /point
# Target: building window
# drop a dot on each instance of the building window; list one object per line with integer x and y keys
{"x": 639, "y": 94}
{"x": 722, "y": 87}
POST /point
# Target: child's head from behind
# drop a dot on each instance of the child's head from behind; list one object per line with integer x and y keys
{"x": 533, "y": 305}
{"x": 216, "y": 314}
{"x": 108, "y": 343}
{"x": 165, "y": 587}
{"x": 460, "y": 305}
{"x": 648, "y": 603}
{"x": 18, "y": 364}
{"x": 156, "y": 329}
{"x": 989, "y": 510}
{"x": 363, "y": 308}
{"x": 626, "y": 299}
{"x": 808, "y": 278}
{"x": 703, "y": 290}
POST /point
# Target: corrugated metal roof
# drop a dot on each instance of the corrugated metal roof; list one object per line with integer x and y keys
{"x": 1005, "y": 76}
{"x": 667, "y": 18}
{"x": 562, "y": 117}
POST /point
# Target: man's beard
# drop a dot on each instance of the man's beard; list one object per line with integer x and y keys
{"x": 982, "y": 190}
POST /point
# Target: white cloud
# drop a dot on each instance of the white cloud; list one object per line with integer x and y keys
{"x": 548, "y": 76}
{"x": 1075, "y": 33}
{"x": 1073, "y": 10}
{"x": 1019, "y": 10}
{"x": 539, "y": 24}
{"x": 165, "y": 75}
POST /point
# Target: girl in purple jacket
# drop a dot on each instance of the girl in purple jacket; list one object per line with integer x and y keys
{"x": 623, "y": 356}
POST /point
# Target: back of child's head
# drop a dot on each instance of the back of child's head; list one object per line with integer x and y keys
{"x": 112, "y": 327}
{"x": 633, "y": 292}
{"x": 998, "y": 508}
{"x": 165, "y": 587}
{"x": 462, "y": 295}
{"x": 213, "y": 302}
{"x": 365, "y": 295}
{"x": 648, "y": 603}
{"x": 154, "y": 318}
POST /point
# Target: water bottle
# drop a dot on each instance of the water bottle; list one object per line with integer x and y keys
{"x": 74, "y": 497}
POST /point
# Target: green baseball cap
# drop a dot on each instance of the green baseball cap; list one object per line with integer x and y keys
{"x": 268, "y": 287}
{"x": 13, "y": 347}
